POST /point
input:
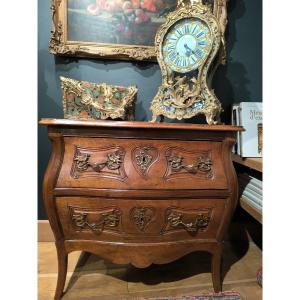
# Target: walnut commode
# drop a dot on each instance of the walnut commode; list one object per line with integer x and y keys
{"x": 139, "y": 193}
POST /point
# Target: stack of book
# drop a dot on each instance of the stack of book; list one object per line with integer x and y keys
{"x": 251, "y": 190}
{"x": 248, "y": 115}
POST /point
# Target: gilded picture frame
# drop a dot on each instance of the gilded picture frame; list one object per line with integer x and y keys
{"x": 112, "y": 29}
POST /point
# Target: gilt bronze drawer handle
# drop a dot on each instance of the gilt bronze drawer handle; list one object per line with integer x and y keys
{"x": 203, "y": 164}
{"x": 113, "y": 162}
{"x": 201, "y": 222}
{"x": 111, "y": 219}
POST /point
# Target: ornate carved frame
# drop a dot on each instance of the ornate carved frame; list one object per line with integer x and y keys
{"x": 59, "y": 44}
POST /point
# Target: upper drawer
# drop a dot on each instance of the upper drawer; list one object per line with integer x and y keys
{"x": 106, "y": 163}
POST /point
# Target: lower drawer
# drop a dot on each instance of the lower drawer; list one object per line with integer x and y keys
{"x": 139, "y": 220}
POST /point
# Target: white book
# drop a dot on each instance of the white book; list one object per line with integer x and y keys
{"x": 257, "y": 198}
{"x": 252, "y": 198}
{"x": 245, "y": 183}
{"x": 251, "y": 118}
{"x": 253, "y": 204}
{"x": 235, "y": 120}
{"x": 253, "y": 180}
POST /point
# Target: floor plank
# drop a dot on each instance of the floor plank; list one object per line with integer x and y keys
{"x": 90, "y": 277}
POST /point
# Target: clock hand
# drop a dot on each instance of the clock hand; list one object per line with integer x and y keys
{"x": 188, "y": 48}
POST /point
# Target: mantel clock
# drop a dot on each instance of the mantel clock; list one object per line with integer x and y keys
{"x": 189, "y": 47}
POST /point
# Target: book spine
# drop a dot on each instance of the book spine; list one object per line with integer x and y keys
{"x": 256, "y": 182}
{"x": 239, "y": 134}
{"x": 235, "y": 121}
{"x": 244, "y": 183}
{"x": 253, "y": 204}
{"x": 256, "y": 197}
{"x": 252, "y": 197}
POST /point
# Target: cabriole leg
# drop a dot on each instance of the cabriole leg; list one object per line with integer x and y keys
{"x": 216, "y": 269}
{"x": 62, "y": 258}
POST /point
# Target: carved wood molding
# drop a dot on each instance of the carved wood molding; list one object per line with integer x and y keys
{"x": 57, "y": 31}
{"x": 144, "y": 254}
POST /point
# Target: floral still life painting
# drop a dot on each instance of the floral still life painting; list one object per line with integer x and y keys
{"x": 107, "y": 28}
{"x": 117, "y": 21}
{"x": 97, "y": 101}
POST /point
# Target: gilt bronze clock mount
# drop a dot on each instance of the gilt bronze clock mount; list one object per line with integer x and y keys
{"x": 188, "y": 47}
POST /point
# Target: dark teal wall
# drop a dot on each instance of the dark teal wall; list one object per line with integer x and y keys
{"x": 239, "y": 80}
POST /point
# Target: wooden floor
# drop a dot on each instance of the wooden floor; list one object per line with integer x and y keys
{"x": 91, "y": 278}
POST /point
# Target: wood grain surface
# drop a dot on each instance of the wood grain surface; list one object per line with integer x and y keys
{"x": 181, "y": 177}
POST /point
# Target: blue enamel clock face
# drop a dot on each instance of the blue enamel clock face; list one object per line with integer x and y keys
{"x": 186, "y": 45}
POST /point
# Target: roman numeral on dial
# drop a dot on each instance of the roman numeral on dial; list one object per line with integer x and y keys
{"x": 172, "y": 55}
{"x": 198, "y": 53}
{"x": 186, "y": 29}
{"x": 171, "y": 47}
{"x": 179, "y": 32}
{"x": 194, "y": 29}
{"x": 200, "y": 34}
{"x": 202, "y": 43}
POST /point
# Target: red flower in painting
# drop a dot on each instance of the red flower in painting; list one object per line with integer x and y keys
{"x": 148, "y": 5}
{"x": 135, "y": 3}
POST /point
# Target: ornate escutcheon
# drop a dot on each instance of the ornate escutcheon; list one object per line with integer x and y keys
{"x": 96, "y": 220}
{"x": 191, "y": 220}
{"x": 142, "y": 216}
{"x": 143, "y": 158}
{"x": 108, "y": 162}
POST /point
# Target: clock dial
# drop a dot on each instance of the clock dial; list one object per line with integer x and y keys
{"x": 186, "y": 45}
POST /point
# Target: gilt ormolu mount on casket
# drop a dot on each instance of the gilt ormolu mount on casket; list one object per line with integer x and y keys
{"x": 189, "y": 47}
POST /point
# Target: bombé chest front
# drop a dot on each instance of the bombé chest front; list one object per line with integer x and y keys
{"x": 154, "y": 180}
{"x": 140, "y": 193}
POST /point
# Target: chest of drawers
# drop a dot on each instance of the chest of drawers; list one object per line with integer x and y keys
{"x": 139, "y": 193}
